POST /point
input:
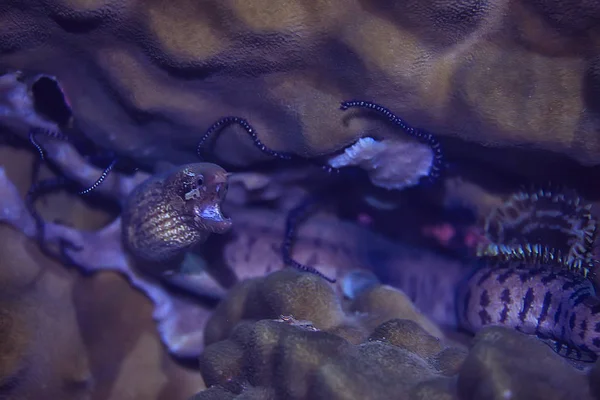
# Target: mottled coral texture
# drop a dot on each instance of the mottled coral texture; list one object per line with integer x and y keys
{"x": 380, "y": 348}
{"x": 147, "y": 77}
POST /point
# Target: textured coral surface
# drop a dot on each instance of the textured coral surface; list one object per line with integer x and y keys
{"x": 310, "y": 356}
{"x": 381, "y": 349}
{"x": 147, "y": 77}
{"x": 335, "y": 248}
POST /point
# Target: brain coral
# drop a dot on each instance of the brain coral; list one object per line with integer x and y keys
{"x": 147, "y": 77}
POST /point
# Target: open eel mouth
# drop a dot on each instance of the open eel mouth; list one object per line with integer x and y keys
{"x": 211, "y": 214}
{"x": 214, "y": 220}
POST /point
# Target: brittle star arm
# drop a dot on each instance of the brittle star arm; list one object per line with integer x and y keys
{"x": 76, "y": 168}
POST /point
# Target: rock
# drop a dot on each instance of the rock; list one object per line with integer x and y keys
{"x": 492, "y": 72}
{"x": 504, "y": 363}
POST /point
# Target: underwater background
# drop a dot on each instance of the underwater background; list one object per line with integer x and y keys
{"x": 300, "y": 199}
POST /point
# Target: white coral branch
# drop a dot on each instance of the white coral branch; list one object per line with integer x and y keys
{"x": 390, "y": 163}
{"x": 180, "y": 320}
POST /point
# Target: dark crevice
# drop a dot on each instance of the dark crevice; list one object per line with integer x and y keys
{"x": 49, "y": 100}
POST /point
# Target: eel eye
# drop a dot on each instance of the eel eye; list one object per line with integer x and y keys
{"x": 200, "y": 181}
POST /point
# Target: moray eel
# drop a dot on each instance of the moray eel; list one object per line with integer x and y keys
{"x": 555, "y": 304}
{"x": 171, "y": 212}
{"x": 545, "y": 226}
{"x": 536, "y": 261}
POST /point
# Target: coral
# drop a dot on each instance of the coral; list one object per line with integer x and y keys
{"x": 281, "y": 187}
{"x": 434, "y": 165}
{"x": 55, "y": 341}
{"x": 373, "y": 156}
{"x": 378, "y": 351}
{"x": 420, "y": 158}
{"x": 36, "y": 298}
{"x": 503, "y": 363}
{"x": 66, "y": 336}
{"x": 306, "y": 297}
{"x": 384, "y": 349}
{"x": 16, "y": 105}
{"x": 337, "y": 247}
{"x": 147, "y": 78}
{"x": 180, "y": 320}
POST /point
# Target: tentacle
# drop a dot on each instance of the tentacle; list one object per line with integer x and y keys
{"x": 60, "y": 136}
{"x": 100, "y": 179}
{"x": 424, "y": 137}
{"x": 294, "y": 218}
{"x": 226, "y": 121}
{"x": 33, "y": 132}
{"x": 79, "y": 170}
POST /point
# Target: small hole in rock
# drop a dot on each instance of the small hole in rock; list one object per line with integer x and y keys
{"x": 50, "y": 101}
